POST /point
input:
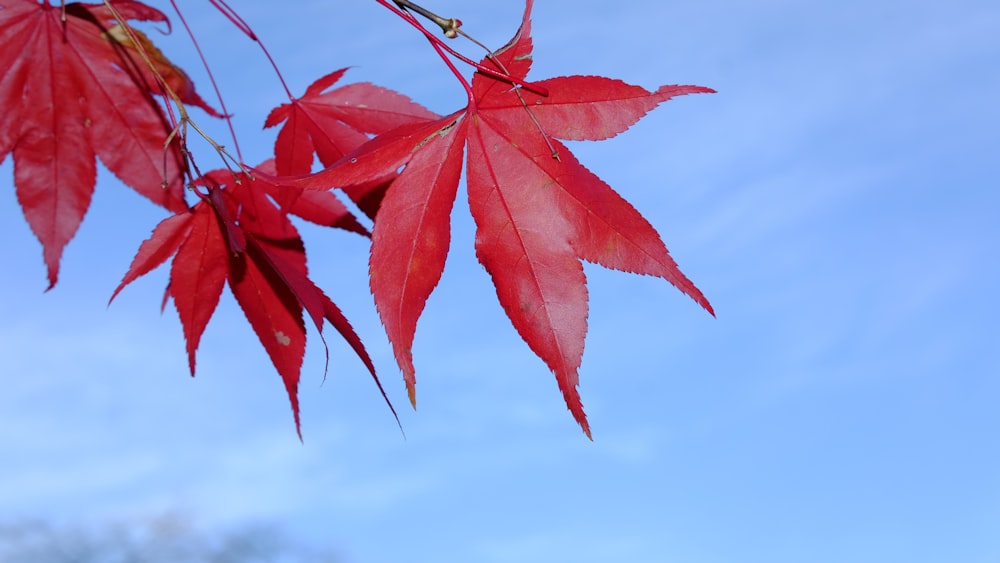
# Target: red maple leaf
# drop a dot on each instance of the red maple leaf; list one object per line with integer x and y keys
{"x": 237, "y": 235}
{"x": 73, "y": 88}
{"x": 538, "y": 211}
{"x": 321, "y": 208}
{"x": 333, "y": 123}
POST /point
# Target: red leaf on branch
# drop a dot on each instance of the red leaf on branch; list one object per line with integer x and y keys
{"x": 321, "y": 208}
{"x": 538, "y": 211}
{"x": 71, "y": 91}
{"x": 197, "y": 275}
{"x": 410, "y": 243}
{"x": 237, "y": 235}
{"x": 332, "y": 124}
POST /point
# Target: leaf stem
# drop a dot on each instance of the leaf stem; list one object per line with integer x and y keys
{"x": 168, "y": 92}
{"x": 541, "y": 91}
{"x": 436, "y": 44}
{"x": 524, "y": 104}
{"x": 180, "y": 124}
{"x": 211, "y": 77}
{"x": 243, "y": 26}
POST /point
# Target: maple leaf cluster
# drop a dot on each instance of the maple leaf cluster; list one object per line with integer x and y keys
{"x": 88, "y": 85}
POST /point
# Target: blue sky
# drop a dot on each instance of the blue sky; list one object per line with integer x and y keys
{"x": 838, "y": 201}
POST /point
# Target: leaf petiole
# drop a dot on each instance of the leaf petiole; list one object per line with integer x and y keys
{"x": 401, "y": 12}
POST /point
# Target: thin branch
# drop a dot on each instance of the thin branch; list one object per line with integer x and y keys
{"x": 444, "y": 57}
{"x": 451, "y": 29}
{"x": 448, "y": 26}
{"x": 540, "y": 90}
{"x": 179, "y": 131}
{"x": 243, "y": 26}
{"x": 211, "y": 77}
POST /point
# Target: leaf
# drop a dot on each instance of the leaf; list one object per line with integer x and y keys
{"x": 275, "y": 315}
{"x": 71, "y": 92}
{"x": 410, "y": 243}
{"x": 321, "y": 208}
{"x": 165, "y": 241}
{"x": 331, "y": 124}
{"x": 538, "y": 211}
{"x": 237, "y": 235}
{"x": 197, "y": 275}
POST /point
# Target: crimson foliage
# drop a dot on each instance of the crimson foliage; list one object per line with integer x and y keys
{"x": 86, "y": 84}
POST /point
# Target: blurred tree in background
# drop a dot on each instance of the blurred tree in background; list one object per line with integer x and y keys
{"x": 169, "y": 538}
